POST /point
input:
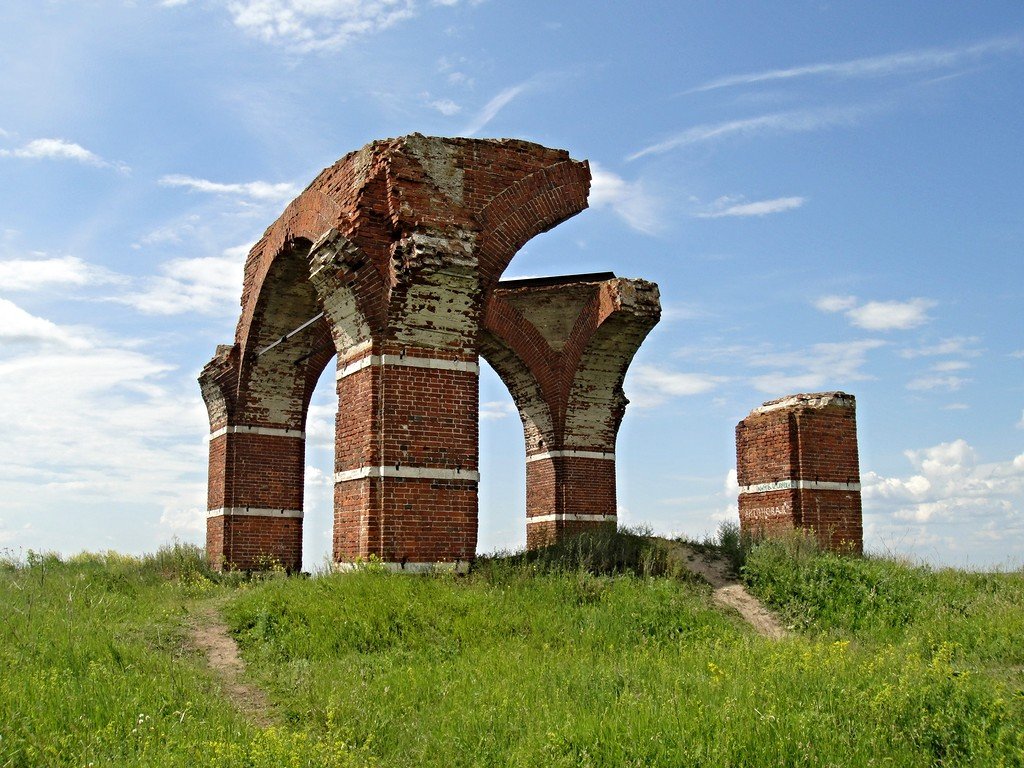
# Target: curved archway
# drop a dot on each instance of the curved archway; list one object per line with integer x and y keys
{"x": 386, "y": 261}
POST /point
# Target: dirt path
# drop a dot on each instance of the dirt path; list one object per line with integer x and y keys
{"x": 209, "y": 634}
{"x": 727, "y": 589}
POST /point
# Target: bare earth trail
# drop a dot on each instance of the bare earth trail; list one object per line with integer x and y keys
{"x": 210, "y": 635}
{"x": 727, "y": 592}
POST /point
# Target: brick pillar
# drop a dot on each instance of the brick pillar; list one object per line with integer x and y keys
{"x": 254, "y": 496}
{"x": 562, "y": 346}
{"x": 797, "y": 467}
{"x": 406, "y": 455}
{"x": 406, "y": 470}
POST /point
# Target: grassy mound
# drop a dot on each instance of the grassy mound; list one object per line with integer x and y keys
{"x": 588, "y": 654}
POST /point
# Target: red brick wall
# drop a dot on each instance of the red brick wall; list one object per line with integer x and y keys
{"x": 800, "y": 443}
{"x": 254, "y": 543}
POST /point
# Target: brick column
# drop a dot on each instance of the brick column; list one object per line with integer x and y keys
{"x": 797, "y": 467}
{"x": 254, "y": 496}
{"x": 406, "y": 470}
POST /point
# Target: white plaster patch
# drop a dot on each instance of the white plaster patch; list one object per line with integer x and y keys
{"x": 422, "y": 473}
{"x": 254, "y": 512}
{"x": 802, "y": 485}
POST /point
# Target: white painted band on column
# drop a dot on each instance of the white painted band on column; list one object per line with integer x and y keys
{"x": 422, "y": 473}
{"x": 254, "y": 512}
{"x": 560, "y": 517}
{"x": 570, "y": 453}
{"x": 465, "y": 366}
{"x": 459, "y": 566}
{"x": 801, "y": 485}
{"x": 242, "y": 429}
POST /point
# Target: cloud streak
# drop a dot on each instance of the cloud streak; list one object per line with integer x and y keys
{"x": 255, "y": 190}
{"x": 493, "y": 107}
{"x": 759, "y": 208}
{"x": 794, "y": 121}
{"x": 59, "y": 149}
{"x": 873, "y": 66}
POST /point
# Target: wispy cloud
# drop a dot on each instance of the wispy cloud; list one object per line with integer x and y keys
{"x": 795, "y": 121}
{"x": 207, "y": 285}
{"x": 922, "y": 60}
{"x": 59, "y": 149}
{"x": 493, "y": 107}
{"x": 819, "y": 366}
{"x": 964, "y": 346}
{"x": 879, "y": 315}
{"x": 32, "y": 274}
{"x": 256, "y": 190}
{"x": 446, "y": 107}
{"x": 726, "y": 207}
{"x": 651, "y": 385}
{"x": 945, "y": 383}
{"x": 632, "y": 201}
{"x": 497, "y": 409}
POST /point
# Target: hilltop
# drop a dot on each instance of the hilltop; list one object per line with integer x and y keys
{"x": 601, "y": 652}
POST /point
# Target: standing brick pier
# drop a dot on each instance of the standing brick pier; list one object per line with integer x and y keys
{"x": 797, "y": 467}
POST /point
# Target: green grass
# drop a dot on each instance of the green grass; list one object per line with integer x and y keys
{"x": 584, "y": 655}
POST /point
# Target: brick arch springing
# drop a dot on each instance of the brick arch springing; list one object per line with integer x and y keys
{"x": 562, "y": 347}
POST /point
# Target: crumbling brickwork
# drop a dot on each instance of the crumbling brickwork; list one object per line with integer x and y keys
{"x": 386, "y": 262}
{"x": 562, "y": 347}
{"x": 797, "y": 467}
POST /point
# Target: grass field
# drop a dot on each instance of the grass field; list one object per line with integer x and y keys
{"x": 592, "y": 656}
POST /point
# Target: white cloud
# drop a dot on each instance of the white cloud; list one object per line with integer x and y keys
{"x": 821, "y": 366}
{"x": 312, "y": 25}
{"x": 58, "y": 149}
{"x": 446, "y": 107}
{"x": 208, "y": 285}
{"x": 497, "y": 409}
{"x": 630, "y": 200}
{"x": 956, "y": 407}
{"x": 947, "y": 383}
{"x": 32, "y": 274}
{"x": 256, "y": 190}
{"x": 951, "y": 365}
{"x": 760, "y": 208}
{"x": 797, "y": 121}
{"x": 948, "y": 483}
{"x": 1020, "y": 424}
{"x": 873, "y": 66}
{"x": 957, "y": 345}
{"x": 836, "y": 303}
{"x": 492, "y": 108}
{"x": 649, "y": 385}
{"x": 891, "y": 315}
{"x": 20, "y": 327}
{"x": 879, "y": 315}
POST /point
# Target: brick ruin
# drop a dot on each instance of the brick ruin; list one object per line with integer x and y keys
{"x": 389, "y": 263}
{"x": 797, "y": 467}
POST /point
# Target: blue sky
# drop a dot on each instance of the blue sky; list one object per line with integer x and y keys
{"x": 830, "y": 196}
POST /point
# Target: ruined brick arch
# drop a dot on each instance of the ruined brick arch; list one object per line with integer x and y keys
{"x": 385, "y": 263}
{"x": 562, "y": 347}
